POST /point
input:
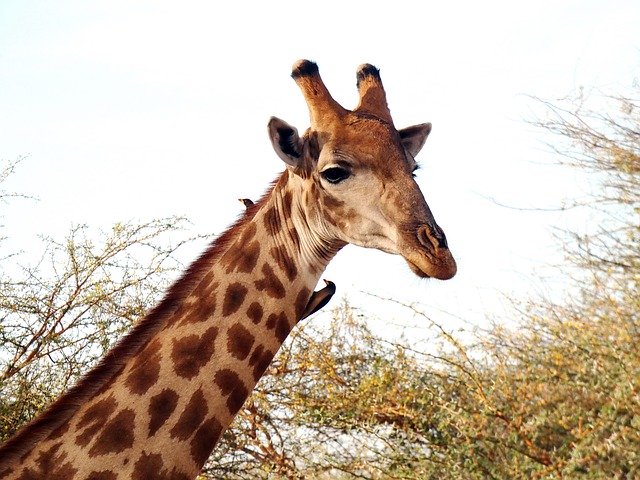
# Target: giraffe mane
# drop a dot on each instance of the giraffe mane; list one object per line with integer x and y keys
{"x": 128, "y": 346}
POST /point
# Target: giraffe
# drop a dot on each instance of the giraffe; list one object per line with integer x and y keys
{"x": 158, "y": 402}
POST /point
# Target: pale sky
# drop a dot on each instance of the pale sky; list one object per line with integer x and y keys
{"x": 132, "y": 110}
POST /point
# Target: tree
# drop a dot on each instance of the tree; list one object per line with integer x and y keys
{"x": 59, "y": 315}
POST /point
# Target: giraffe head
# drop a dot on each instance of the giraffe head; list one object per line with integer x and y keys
{"x": 355, "y": 173}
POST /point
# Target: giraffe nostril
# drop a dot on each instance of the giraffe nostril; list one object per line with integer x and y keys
{"x": 425, "y": 238}
{"x": 432, "y": 236}
{"x": 441, "y": 237}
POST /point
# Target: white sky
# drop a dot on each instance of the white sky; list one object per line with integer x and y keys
{"x": 132, "y": 110}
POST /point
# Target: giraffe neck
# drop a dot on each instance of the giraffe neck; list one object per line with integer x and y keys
{"x": 168, "y": 405}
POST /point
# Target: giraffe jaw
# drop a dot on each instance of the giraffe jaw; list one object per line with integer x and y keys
{"x": 443, "y": 270}
{"x": 430, "y": 256}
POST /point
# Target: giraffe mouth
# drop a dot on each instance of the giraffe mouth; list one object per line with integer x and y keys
{"x": 415, "y": 269}
{"x": 441, "y": 270}
{"x": 431, "y": 257}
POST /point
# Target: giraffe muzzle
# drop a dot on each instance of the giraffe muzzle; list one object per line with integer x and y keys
{"x": 432, "y": 258}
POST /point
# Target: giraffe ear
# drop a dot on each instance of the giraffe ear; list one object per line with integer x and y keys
{"x": 413, "y": 138}
{"x": 286, "y": 142}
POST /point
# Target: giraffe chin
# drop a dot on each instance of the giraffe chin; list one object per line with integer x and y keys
{"x": 444, "y": 269}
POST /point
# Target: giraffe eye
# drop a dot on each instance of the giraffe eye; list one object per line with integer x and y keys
{"x": 335, "y": 174}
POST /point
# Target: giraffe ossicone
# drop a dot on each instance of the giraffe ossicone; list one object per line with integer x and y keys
{"x": 158, "y": 402}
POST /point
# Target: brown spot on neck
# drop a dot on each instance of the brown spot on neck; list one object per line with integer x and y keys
{"x": 255, "y": 312}
{"x": 93, "y": 419}
{"x": 150, "y": 466}
{"x": 191, "y": 417}
{"x": 270, "y": 283}
{"x": 204, "y": 440}
{"x": 260, "y": 360}
{"x": 146, "y": 369}
{"x": 161, "y": 406}
{"x": 50, "y": 465}
{"x": 271, "y": 221}
{"x": 58, "y": 432}
{"x": 191, "y": 353}
{"x": 205, "y": 286}
{"x": 282, "y": 327}
{"x": 233, "y": 298}
{"x": 285, "y": 262}
{"x": 117, "y": 434}
{"x": 232, "y": 387}
{"x": 243, "y": 255}
{"x": 239, "y": 341}
{"x": 279, "y": 323}
{"x": 287, "y": 202}
{"x": 202, "y": 310}
{"x": 102, "y": 475}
